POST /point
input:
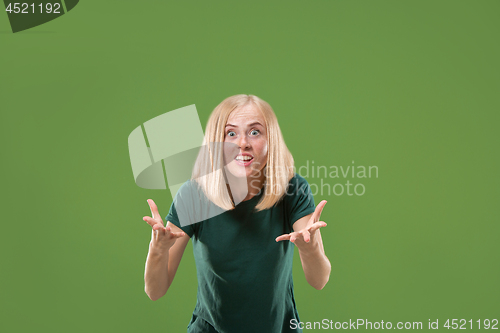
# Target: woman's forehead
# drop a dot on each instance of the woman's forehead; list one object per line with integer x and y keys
{"x": 246, "y": 113}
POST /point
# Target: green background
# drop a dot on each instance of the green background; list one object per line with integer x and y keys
{"x": 409, "y": 86}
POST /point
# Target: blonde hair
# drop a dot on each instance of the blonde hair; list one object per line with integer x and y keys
{"x": 208, "y": 171}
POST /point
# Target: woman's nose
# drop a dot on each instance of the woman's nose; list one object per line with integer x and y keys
{"x": 243, "y": 143}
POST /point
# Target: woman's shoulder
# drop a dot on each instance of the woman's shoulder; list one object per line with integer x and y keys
{"x": 297, "y": 182}
{"x": 188, "y": 188}
{"x": 297, "y": 189}
{"x": 194, "y": 206}
{"x": 298, "y": 200}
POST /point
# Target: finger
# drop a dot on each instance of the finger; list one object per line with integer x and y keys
{"x": 316, "y": 226}
{"x": 293, "y": 236}
{"x": 171, "y": 234}
{"x": 159, "y": 232}
{"x": 319, "y": 209}
{"x": 157, "y": 226}
{"x": 177, "y": 234}
{"x": 150, "y": 221}
{"x": 154, "y": 209}
{"x": 168, "y": 230}
{"x": 306, "y": 236}
{"x": 283, "y": 237}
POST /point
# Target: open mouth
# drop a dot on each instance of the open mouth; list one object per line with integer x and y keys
{"x": 243, "y": 159}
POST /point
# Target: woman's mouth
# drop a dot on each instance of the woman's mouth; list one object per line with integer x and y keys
{"x": 244, "y": 160}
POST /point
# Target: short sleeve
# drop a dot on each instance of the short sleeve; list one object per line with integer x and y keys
{"x": 191, "y": 207}
{"x": 174, "y": 219}
{"x": 299, "y": 199}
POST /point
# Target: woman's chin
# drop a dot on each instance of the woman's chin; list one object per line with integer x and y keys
{"x": 240, "y": 173}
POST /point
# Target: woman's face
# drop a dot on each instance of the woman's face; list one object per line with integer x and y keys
{"x": 246, "y": 153}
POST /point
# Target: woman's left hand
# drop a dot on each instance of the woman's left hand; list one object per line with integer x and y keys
{"x": 305, "y": 238}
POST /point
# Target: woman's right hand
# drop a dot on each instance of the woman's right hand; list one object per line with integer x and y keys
{"x": 162, "y": 238}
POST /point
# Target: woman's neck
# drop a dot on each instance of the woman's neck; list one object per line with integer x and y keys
{"x": 245, "y": 189}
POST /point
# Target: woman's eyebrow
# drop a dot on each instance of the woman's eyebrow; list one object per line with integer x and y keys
{"x": 252, "y": 124}
{"x": 255, "y": 123}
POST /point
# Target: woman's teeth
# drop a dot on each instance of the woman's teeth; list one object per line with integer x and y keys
{"x": 244, "y": 158}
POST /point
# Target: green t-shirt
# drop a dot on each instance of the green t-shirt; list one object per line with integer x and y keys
{"x": 244, "y": 276}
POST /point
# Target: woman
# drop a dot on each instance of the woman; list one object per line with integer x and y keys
{"x": 244, "y": 253}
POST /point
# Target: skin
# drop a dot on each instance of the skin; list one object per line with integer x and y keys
{"x": 165, "y": 252}
{"x": 246, "y": 132}
{"x": 307, "y": 237}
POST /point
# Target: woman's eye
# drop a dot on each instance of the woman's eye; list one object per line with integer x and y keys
{"x": 231, "y": 133}
{"x": 254, "y": 132}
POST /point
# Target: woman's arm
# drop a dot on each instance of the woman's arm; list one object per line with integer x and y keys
{"x": 165, "y": 252}
{"x": 162, "y": 264}
{"x": 315, "y": 263}
{"x": 307, "y": 238}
